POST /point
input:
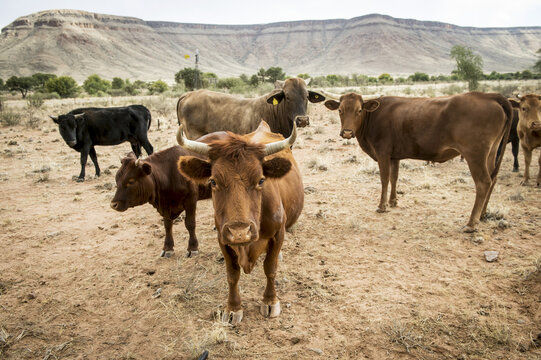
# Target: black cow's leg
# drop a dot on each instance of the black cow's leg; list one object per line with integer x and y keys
{"x": 146, "y": 144}
{"x": 84, "y": 157}
{"x": 233, "y": 312}
{"x": 189, "y": 222}
{"x": 394, "y": 178}
{"x": 94, "y": 159}
{"x": 384, "y": 164}
{"x": 271, "y": 304}
{"x": 514, "y": 148}
{"x": 136, "y": 148}
{"x": 168, "y": 244}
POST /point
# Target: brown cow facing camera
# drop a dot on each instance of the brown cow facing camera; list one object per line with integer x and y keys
{"x": 392, "y": 128}
{"x": 257, "y": 194}
{"x": 157, "y": 181}
{"x": 529, "y": 130}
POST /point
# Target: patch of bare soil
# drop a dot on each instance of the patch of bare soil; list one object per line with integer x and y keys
{"x": 77, "y": 279}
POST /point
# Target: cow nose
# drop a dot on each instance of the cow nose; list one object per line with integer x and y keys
{"x": 72, "y": 143}
{"x": 302, "y": 120}
{"x": 114, "y": 205}
{"x": 238, "y": 232}
{"x": 346, "y": 134}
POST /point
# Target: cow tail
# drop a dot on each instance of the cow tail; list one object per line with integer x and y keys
{"x": 178, "y": 105}
{"x": 508, "y": 109}
{"x": 150, "y": 120}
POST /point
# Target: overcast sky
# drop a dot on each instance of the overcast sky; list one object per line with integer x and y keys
{"x": 477, "y": 13}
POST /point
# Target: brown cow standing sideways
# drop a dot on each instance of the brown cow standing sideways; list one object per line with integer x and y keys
{"x": 392, "y": 128}
{"x": 529, "y": 131}
{"x": 256, "y": 197}
{"x": 203, "y": 111}
{"x": 156, "y": 180}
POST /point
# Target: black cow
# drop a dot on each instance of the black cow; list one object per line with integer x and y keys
{"x": 84, "y": 128}
{"x": 514, "y": 140}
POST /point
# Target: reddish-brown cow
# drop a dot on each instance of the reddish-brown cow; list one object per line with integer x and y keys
{"x": 529, "y": 130}
{"x": 392, "y": 128}
{"x": 256, "y": 197}
{"x": 156, "y": 180}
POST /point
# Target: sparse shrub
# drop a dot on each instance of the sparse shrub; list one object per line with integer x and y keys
{"x": 117, "y": 92}
{"x": 452, "y": 89}
{"x": 35, "y": 101}
{"x": 95, "y": 84}
{"x": 10, "y": 118}
{"x": 157, "y": 87}
{"x": 65, "y": 86}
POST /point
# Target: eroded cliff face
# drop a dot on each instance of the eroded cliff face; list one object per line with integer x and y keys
{"x": 77, "y": 43}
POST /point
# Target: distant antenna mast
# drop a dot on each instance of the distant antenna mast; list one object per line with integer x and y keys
{"x": 196, "y": 80}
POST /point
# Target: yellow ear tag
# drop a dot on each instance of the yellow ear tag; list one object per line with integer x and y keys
{"x": 274, "y": 101}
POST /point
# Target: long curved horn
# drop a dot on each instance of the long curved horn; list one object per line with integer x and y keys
{"x": 371, "y": 97}
{"x": 195, "y": 146}
{"x": 330, "y": 95}
{"x": 277, "y": 146}
{"x": 55, "y": 118}
{"x": 79, "y": 115}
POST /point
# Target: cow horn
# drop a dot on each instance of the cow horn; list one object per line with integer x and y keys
{"x": 55, "y": 118}
{"x": 78, "y": 116}
{"x": 371, "y": 97}
{"x": 195, "y": 146}
{"x": 277, "y": 146}
{"x": 331, "y": 95}
{"x": 138, "y": 161}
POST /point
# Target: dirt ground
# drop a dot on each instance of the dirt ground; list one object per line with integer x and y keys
{"x": 80, "y": 281}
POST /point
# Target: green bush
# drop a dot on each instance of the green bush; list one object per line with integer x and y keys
{"x": 157, "y": 87}
{"x": 229, "y": 83}
{"x": 117, "y": 83}
{"x": 65, "y": 86}
{"x": 117, "y": 92}
{"x": 94, "y": 84}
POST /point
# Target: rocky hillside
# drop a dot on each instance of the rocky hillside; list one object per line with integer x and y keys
{"x": 77, "y": 43}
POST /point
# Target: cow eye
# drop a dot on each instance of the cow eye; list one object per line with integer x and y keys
{"x": 524, "y": 108}
{"x": 261, "y": 181}
{"x": 131, "y": 181}
{"x": 339, "y": 111}
{"x": 212, "y": 182}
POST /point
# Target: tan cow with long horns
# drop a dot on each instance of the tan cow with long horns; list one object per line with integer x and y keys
{"x": 257, "y": 193}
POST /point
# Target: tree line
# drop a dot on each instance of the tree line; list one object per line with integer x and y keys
{"x": 468, "y": 68}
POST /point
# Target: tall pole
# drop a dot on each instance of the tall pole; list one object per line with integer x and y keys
{"x": 196, "y": 75}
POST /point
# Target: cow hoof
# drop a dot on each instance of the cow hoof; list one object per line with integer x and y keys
{"x": 270, "y": 310}
{"x": 393, "y": 203}
{"x": 167, "y": 254}
{"x": 515, "y": 170}
{"x": 192, "y": 253}
{"x": 524, "y": 182}
{"x": 381, "y": 210}
{"x": 80, "y": 179}
{"x": 468, "y": 229}
{"x": 230, "y": 317}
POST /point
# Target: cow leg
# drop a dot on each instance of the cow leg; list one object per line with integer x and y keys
{"x": 514, "y": 148}
{"x": 483, "y": 182}
{"x": 384, "y": 169}
{"x": 136, "y": 148}
{"x": 394, "y": 178}
{"x": 271, "y": 304}
{"x": 233, "y": 312}
{"x": 527, "y": 160}
{"x": 189, "y": 222}
{"x": 146, "y": 144}
{"x": 169, "y": 243}
{"x": 491, "y": 165}
{"x": 94, "y": 159}
{"x": 84, "y": 157}
{"x": 539, "y": 173}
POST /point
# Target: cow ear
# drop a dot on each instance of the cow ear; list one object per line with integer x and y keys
{"x": 371, "y": 105}
{"x": 315, "y": 97}
{"x": 332, "y": 104}
{"x": 275, "y": 99}
{"x": 514, "y": 103}
{"x": 263, "y": 126}
{"x": 276, "y": 167}
{"x": 194, "y": 168}
{"x": 147, "y": 168}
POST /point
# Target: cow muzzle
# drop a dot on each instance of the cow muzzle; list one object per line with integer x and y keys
{"x": 237, "y": 233}
{"x": 72, "y": 143}
{"x": 117, "y": 205}
{"x": 302, "y": 120}
{"x": 347, "y": 134}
